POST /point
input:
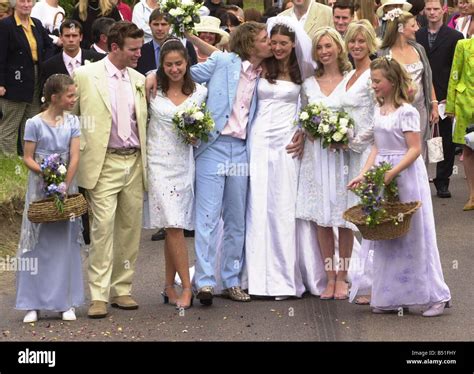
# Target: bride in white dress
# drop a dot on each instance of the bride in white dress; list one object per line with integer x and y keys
{"x": 271, "y": 243}
{"x": 322, "y": 194}
{"x": 171, "y": 166}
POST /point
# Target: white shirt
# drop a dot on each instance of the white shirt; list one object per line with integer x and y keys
{"x": 47, "y": 14}
{"x": 303, "y": 18}
{"x": 72, "y": 62}
{"x": 98, "y": 49}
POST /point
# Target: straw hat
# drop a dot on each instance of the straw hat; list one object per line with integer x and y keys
{"x": 210, "y": 24}
{"x": 406, "y": 6}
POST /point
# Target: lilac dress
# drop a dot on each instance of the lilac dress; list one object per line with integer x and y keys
{"x": 54, "y": 279}
{"x": 406, "y": 271}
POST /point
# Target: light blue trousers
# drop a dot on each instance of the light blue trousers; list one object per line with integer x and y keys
{"x": 221, "y": 188}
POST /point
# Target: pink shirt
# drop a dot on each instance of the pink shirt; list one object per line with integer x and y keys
{"x": 112, "y": 78}
{"x": 237, "y": 124}
{"x": 72, "y": 63}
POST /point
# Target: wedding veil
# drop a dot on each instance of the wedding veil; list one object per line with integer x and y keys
{"x": 303, "y": 45}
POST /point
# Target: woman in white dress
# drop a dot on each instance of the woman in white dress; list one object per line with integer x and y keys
{"x": 322, "y": 196}
{"x": 171, "y": 166}
{"x": 359, "y": 101}
{"x": 270, "y": 245}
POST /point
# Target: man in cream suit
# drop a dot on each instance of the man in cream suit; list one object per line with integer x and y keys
{"x": 311, "y": 14}
{"x": 113, "y": 110}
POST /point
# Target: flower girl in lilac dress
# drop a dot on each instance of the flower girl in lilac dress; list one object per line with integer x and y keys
{"x": 406, "y": 271}
{"x": 56, "y": 283}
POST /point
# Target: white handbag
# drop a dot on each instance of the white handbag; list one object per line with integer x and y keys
{"x": 435, "y": 147}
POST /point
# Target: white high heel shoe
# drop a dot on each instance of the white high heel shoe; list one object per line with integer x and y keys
{"x": 69, "y": 315}
{"x": 437, "y": 309}
{"x": 31, "y": 316}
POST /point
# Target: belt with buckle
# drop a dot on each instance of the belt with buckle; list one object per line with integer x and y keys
{"x": 122, "y": 151}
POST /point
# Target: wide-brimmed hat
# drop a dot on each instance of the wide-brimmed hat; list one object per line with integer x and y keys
{"x": 406, "y": 6}
{"x": 210, "y": 24}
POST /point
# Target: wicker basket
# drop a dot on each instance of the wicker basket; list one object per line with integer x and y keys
{"x": 45, "y": 210}
{"x": 387, "y": 229}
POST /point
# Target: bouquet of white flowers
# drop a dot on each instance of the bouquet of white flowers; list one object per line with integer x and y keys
{"x": 193, "y": 123}
{"x": 182, "y": 14}
{"x": 313, "y": 118}
{"x": 335, "y": 131}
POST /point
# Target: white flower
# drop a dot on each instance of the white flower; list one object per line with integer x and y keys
{"x": 176, "y": 12}
{"x": 333, "y": 119}
{"x": 304, "y": 116}
{"x": 325, "y": 128}
{"x": 188, "y": 19}
{"x": 198, "y": 116}
{"x": 62, "y": 169}
{"x": 163, "y": 3}
{"x": 187, "y": 2}
{"x": 337, "y": 136}
{"x": 392, "y": 14}
{"x": 343, "y": 129}
{"x": 87, "y": 62}
{"x": 344, "y": 122}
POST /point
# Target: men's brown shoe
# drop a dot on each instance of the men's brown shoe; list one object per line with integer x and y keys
{"x": 124, "y": 302}
{"x": 236, "y": 294}
{"x": 98, "y": 309}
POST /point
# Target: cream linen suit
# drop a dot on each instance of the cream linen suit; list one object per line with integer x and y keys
{"x": 114, "y": 183}
{"x": 318, "y": 15}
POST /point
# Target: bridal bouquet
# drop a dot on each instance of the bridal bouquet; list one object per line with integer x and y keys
{"x": 53, "y": 172}
{"x": 335, "y": 131}
{"x": 313, "y": 118}
{"x": 374, "y": 193}
{"x": 182, "y": 14}
{"x": 193, "y": 123}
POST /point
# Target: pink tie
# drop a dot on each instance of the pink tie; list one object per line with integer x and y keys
{"x": 123, "y": 115}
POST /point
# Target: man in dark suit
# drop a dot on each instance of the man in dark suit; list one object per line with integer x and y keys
{"x": 100, "y": 30}
{"x": 150, "y": 53}
{"x": 439, "y": 42}
{"x": 72, "y": 56}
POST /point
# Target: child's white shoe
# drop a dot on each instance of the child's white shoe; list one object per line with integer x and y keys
{"x": 69, "y": 315}
{"x": 31, "y": 316}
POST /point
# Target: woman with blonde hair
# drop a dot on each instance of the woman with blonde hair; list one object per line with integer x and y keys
{"x": 322, "y": 196}
{"x": 87, "y": 11}
{"x": 365, "y": 9}
{"x": 399, "y": 42}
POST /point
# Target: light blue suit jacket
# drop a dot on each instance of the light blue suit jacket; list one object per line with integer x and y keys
{"x": 221, "y": 72}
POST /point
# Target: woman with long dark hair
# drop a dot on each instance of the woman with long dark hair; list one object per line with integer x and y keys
{"x": 171, "y": 166}
{"x": 271, "y": 244}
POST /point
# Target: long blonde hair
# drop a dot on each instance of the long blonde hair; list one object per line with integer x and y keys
{"x": 403, "y": 90}
{"x": 342, "y": 58}
{"x": 366, "y": 11}
{"x": 393, "y": 29}
{"x": 104, "y": 5}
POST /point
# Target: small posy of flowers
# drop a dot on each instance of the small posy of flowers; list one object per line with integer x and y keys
{"x": 313, "y": 118}
{"x": 373, "y": 193}
{"x": 53, "y": 172}
{"x": 194, "y": 123}
{"x": 182, "y": 14}
{"x": 335, "y": 131}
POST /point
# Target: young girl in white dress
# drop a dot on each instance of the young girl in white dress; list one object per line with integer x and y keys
{"x": 322, "y": 195}
{"x": 406, "y": 271}
{"x": 54, "y": 247}
{"x": 171, "y": 166}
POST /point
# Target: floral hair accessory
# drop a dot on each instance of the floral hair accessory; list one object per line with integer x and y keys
{"x": 393, "y": 14}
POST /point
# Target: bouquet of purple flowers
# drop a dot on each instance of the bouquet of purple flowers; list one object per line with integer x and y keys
{"x": 53, "y": 172}
{"x": 194, "y": 123}
{"x": 374, "y": 193}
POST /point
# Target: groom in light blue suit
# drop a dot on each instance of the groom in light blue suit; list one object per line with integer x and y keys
{"x": 222, "y": 162}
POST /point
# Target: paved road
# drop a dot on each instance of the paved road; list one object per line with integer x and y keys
{"x": 307, "y": 319}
